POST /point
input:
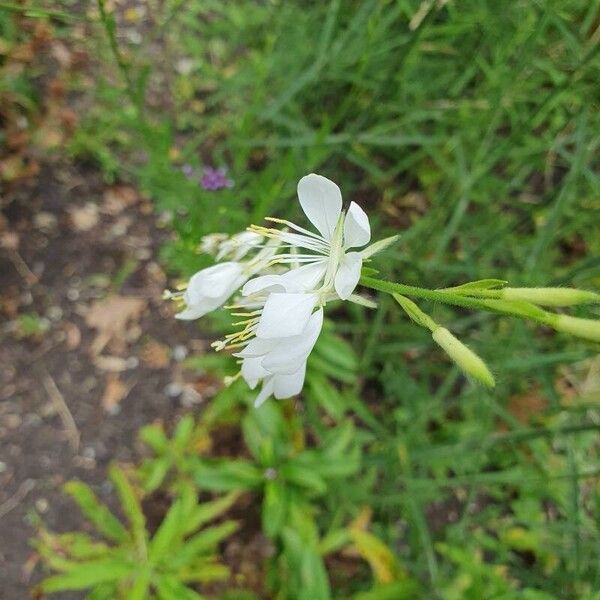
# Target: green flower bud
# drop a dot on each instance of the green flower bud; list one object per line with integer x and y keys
{"x": 587, "y": 329}
{"x": 464, "y": 357}
{"x": 550, "y": 296}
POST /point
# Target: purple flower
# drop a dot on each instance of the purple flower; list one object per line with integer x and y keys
{"x": 187, "y": 170}
{"x": 215, "y": 179}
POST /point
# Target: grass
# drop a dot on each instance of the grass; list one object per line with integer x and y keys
{"x": 469, "y": 127}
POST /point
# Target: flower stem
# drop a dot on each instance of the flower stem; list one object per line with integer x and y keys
{"x": 506, "y": 307}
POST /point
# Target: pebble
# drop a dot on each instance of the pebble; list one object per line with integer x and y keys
{"x": 42, "y": 505}
{"x": 172, "y": 390}
{"x": 13, "y": 421}
{"x": 55, "y": 313}
{"x": 73, "y": 294}
{"x": 180, "y": 352}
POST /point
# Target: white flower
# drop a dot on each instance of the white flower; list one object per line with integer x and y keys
{"x": 281, "y": 309}
{"x": 279, "y": 361}
{"x": 209, "y": 289}
{"x": 331, "y": 263}
{"x": 238, "y": 245}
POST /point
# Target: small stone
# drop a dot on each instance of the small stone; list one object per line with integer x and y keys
{"x": 180, "y": 352}
{"x": 55, "y": 313}
{"x": 172, "y": 390}
{"x": 3, "y": 467}
{"x": 32, "y": 420}
{"x": 73, "y": 294}
{"x": 42, "y": 505}
{"x": 13, "y": 421}
{"x": 190, "y": 397}
{"x": 89, "y": 452}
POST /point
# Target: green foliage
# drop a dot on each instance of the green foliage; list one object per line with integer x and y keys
{"x": 132, "y": 563}
{"x": 469, "y": 127}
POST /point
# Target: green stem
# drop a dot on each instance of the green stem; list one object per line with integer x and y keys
{"x": 33, "y": 11}
{"x": 513, "y": 308}
{"x": 109, "y": 24}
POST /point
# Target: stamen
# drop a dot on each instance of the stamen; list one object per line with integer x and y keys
{"x": 297, "y": 228}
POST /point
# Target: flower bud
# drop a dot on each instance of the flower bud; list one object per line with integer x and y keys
{"x": 550, "y": 296}
{"x": 587, "y": 329}
{"x": 465, "y": 358}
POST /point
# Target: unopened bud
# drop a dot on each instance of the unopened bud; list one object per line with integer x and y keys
{"x": 587, "y": 329}
{"x": 463, "y": 356}
{"x": 550, "y": 296}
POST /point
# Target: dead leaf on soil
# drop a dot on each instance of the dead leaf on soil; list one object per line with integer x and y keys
{"x": 115, "y": 391}
{"x": 156, "y": 355}
{"x": 115, "y": 364}
{"x": 526, "y": 408}
{"x": 84, "y": 218}
{"x": 119, "y": 197}
{"x": 111, "y": 318}
{"x": 9, "y": 240}
{"x": 73, "y": 336}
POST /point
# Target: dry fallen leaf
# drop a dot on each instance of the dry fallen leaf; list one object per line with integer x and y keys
{"x": 156, "y": 355}
{"x": 111, "y": 317}
{"x": 114, "y": 392}
{"x": 119, "y": 197}
{"x": 526, "y": 408}
{"x": 114, "y": 364}
{"x": 84, "y": 218}
{"x": 9, "y": 240}
{"x": 73, "y": 336}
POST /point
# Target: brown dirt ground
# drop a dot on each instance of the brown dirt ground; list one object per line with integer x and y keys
{"x": 66, "y": 242}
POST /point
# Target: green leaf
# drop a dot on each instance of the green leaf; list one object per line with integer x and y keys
{"x": 227, "y": 475}
{"x": 315, "y": 583}
{"x": 320, "y": 390}
{"x": 274, "y": 508}
{"x": 207, "y": 511}
{"x": 165, "y": 539}
{"x": 480, "y": 284}
{"x": 205, "y": 572}
{"x": 130, "y": 503}
{"x": 404, "y": 590}
{"x": 202, "y": 543}
{"x": 296, "y": 473}
{"x": 155, "y": 471}
{"x": 183, "y": 432}
{"x": 154, "y": 436}
{"x": 337, "y": 351}
{"x": 141, "y": 585}
{"x": 170, "y": 588}
{"x": 104, "y": 521}
{"x": 88, "y": 574}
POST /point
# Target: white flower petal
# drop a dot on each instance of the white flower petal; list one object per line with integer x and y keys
{"x": 253, "y": 372}
{"x": 348, "y": 274}
{"x": 257, "y": 347}
{"x": 286, "y": 386}
{"x": 214, "y": 282}
{"x": 265, "y": 392}
{"x": 290, "y": 352}
{"x": 357, "y": 231}
{"x": 285, "y": 315}
{"x": 265, "y": 283}
{"x": 321, "y": 201}
{"x": 304, "y": 278}
{"x": 189, "y": 314}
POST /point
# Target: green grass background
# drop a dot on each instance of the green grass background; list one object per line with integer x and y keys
{"x": 470, "y": 127}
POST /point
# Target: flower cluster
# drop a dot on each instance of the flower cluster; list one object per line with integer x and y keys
{"x": 286, "y": 277}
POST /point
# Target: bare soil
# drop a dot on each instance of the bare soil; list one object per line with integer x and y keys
{"x": 72, "y": 396}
